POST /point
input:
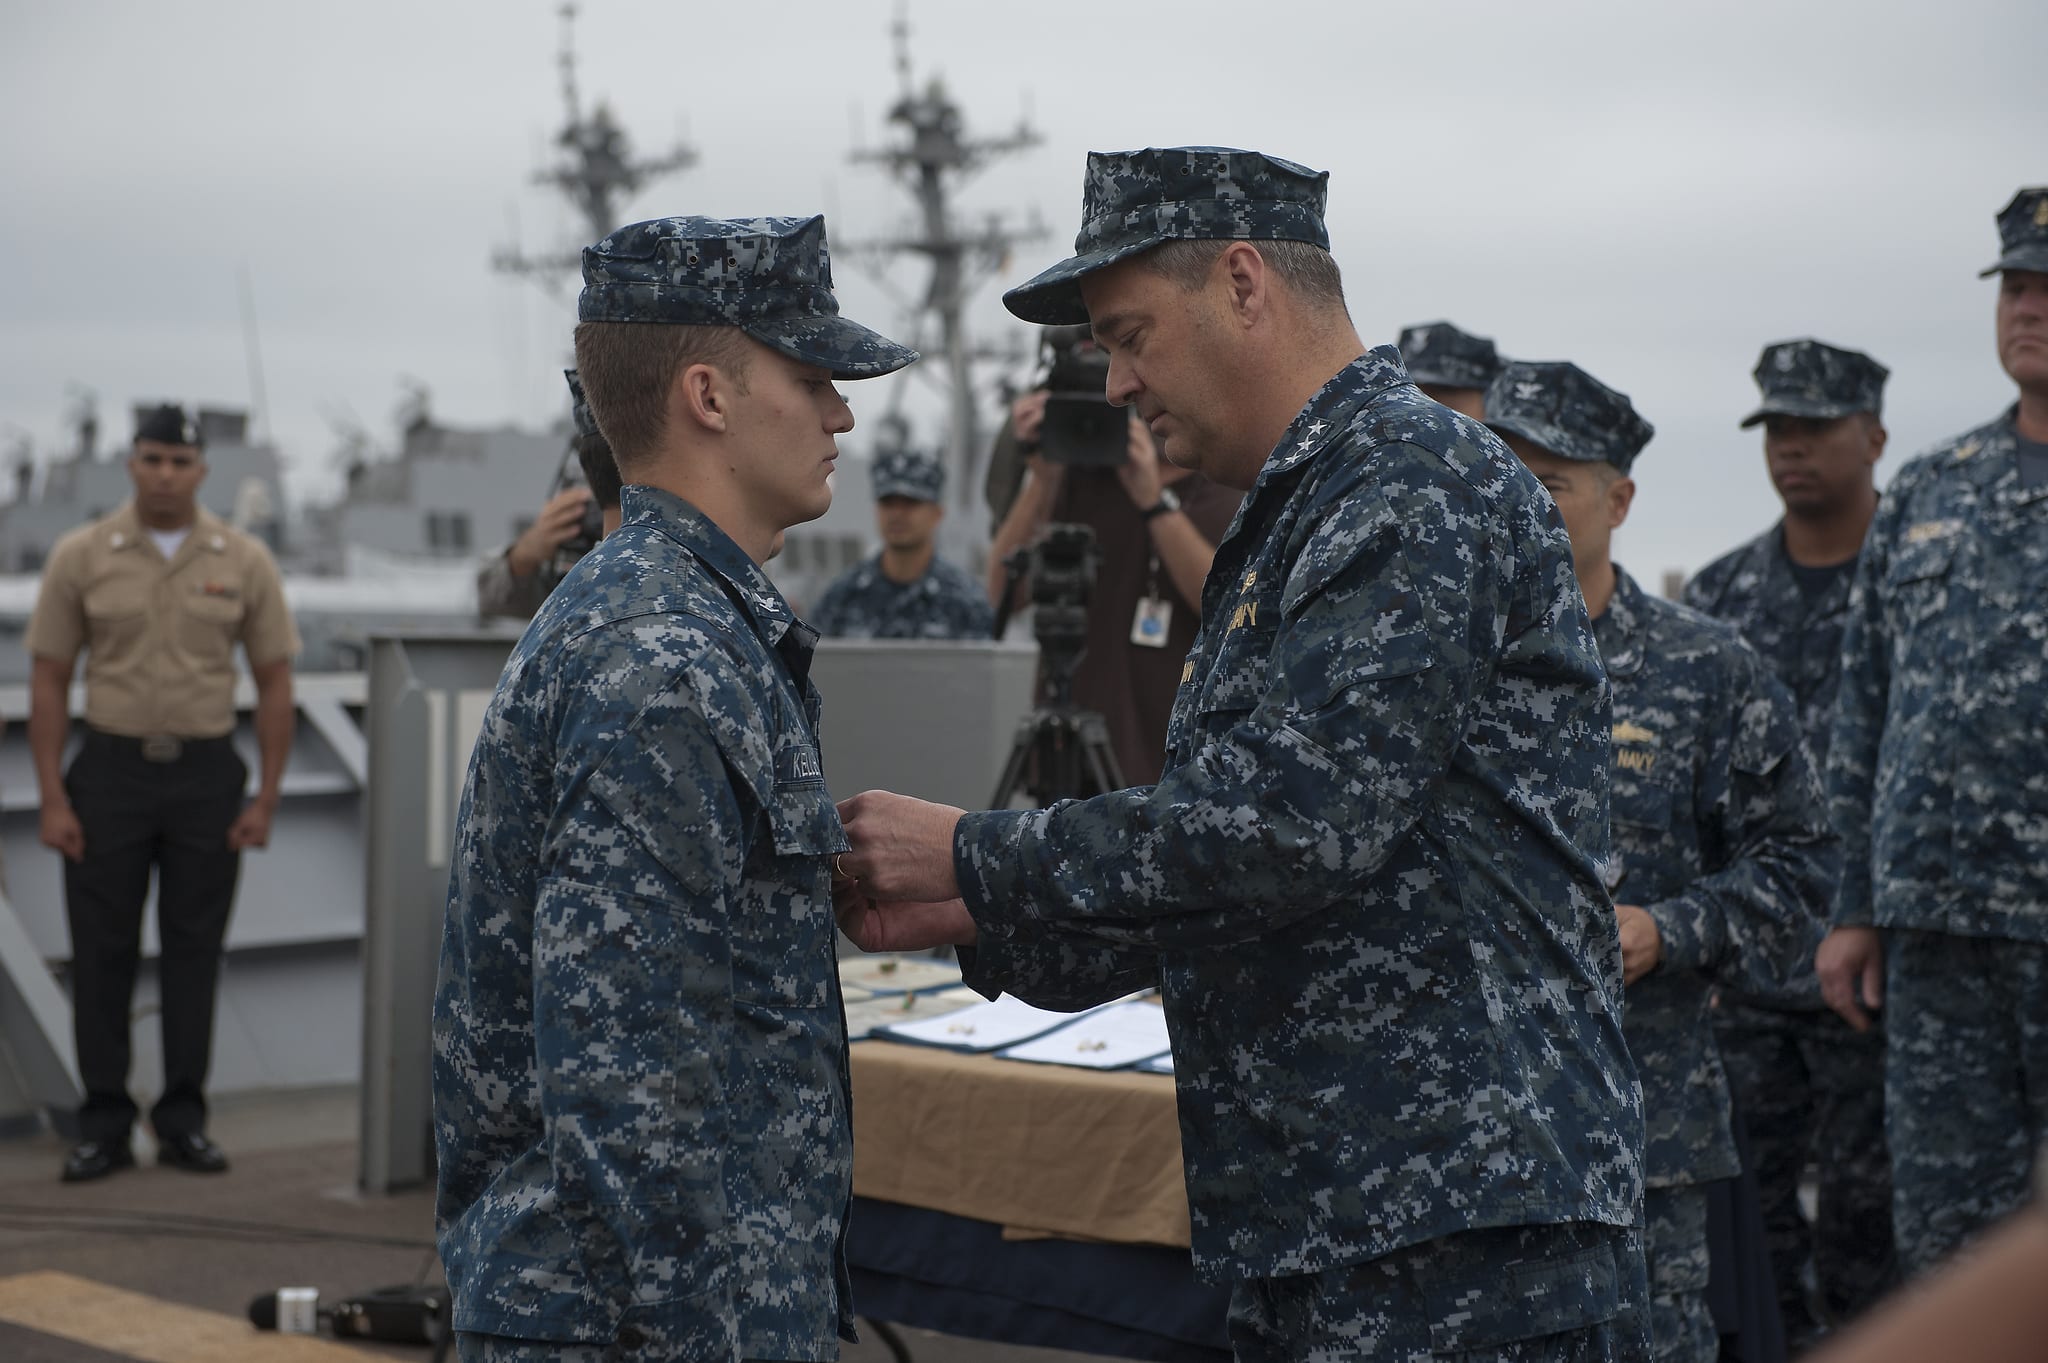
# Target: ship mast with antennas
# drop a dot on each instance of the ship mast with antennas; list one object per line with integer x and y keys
{"x": 596, "y": 172}
{"x": 933, "y": 157}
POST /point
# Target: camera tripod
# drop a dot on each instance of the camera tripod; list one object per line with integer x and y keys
{"x": 1061, "y": 751}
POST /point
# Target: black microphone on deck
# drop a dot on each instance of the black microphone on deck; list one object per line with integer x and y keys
{"x": 391, "y": 1315}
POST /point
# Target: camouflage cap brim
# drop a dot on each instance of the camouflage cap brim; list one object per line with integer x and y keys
{"x": 1553, "y": 439}
{"x": 916, "y": 491}
{"x": 2030, "y": 258}
{"x": 1053, "y": 297}
{"x": 845, "y": 348}
{"x": 1812, "y": 408}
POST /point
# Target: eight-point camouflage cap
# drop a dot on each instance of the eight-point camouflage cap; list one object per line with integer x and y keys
{"x": 1437, "y": 352}
{"x": 579, "y": 406}
{"x": 1814, "y": 379}
{"x": 906, "y": 473}
{"x": 2023, "y": 233}
{"x": 770, "y": 277}
{"x": 1568, "y": 412}
{"x": 168, "y": 424}
{"x": 1134, "y": 200}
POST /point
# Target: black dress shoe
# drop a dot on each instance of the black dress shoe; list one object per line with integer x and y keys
{"x": 89, "y": 1160}
{"x": 192, "y": 1153}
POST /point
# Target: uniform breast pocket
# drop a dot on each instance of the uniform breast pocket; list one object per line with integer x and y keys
{"x": 783, "y": 931}
{"x": 208, "y": 624}
{"x": 1916, "y": 581}
{"x": 117, "y": 612}
{"x": 1239, "y": 677}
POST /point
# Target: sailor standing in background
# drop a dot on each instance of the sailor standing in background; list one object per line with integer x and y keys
{"x": 512, "y": 584}
{"x": 1452, "y": 366}
{"x": 1722, "y": 857}
{"x": 905, "y": 590}
{"x": 1938, "y": 774}
{"x": 1810, "y": 1086}
{"x": 157, "y": 595}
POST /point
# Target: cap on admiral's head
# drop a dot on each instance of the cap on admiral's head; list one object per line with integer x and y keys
{"x": 168, "y": 424}
{"x": 579, "y": 406}
{"x": 1814, "y": 379}
{"x": 1568, "y": 412}
{"x": 907, "y": 473}
{"x": 1437, "y": 352}
{"x": 2023, "y": 233}
{"x": 1135, "y": 200}
{"x": 770, "y": 277}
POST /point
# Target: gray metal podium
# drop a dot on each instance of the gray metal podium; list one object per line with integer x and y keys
{"x": 934, "y": 720}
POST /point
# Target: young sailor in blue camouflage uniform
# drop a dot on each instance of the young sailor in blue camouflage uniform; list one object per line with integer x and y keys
{"x": 1809, "y": 1085}
{"x": 641, "y": 1103}
{"x": 1452, "y": 366}
{"x": 905, "y": 591}
{"x": 1722, "y": 857}
{"x": 1938, "y": 774}
{"x": 1368, "y": 881}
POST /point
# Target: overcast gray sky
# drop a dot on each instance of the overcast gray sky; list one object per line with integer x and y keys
{"x": 1652, "y": 190}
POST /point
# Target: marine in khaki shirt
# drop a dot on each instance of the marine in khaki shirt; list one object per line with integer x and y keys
{"x": 156, "y": 596}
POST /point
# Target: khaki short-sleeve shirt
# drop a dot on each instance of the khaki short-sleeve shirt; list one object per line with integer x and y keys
{"x": 159, "y": 637}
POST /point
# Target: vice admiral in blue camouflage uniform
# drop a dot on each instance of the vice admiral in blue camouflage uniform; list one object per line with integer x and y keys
{"x": 1452, "y": 366}
{"x": 1938, "y": 774}
{"x": 905, "y": 591}
{"x": 1368, "y": 882}
{"x": 1722, "y": 857}
{"x": 640, "y": 1085}
{"x": 1809, "y": 1085}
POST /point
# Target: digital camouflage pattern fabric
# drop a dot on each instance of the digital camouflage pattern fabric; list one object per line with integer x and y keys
{"x": 1576, "y": 1298}
{"x": 1814, "y": 379}
{"x": 1568, "y": 412}
{"x": 1437, "y": 352}
{"x": 1811, "y": 1088}
{"x": 2023, "y": 232}
{"x": 1720, "y": 834}
{"x": 1798, "y": 635}
{"x": 1938, "y": 775}
{"x": 1131, "y": 201}
{"x": 501, "y": 592}
{"x": 1945, "y": 673}
{"x": 863, "y": 603}
{"x": 1966, "y": 1074}
{"x": 640, "y": 1085}
{"x": 907, "y": 473}
{"x": 770, "y": 277}
{"x": 1368, "y": 884}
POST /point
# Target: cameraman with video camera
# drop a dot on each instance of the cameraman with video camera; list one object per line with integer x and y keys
{"x": 1156, "y": 528}
{"x": 512, "y": 584}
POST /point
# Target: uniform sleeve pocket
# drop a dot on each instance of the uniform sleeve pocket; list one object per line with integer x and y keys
{"x": 620, "y": 981}
{"x": 783, "y": 937}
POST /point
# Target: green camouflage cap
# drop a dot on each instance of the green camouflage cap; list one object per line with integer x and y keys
{"x": 1814, "y": 379}
{"x": 770, "y": 277}
{"x": 1135, "y": 200}
{"x": 2023, "y": 233}
{"x": 1568, "y": 412}
{"x": 907, "y": 473}
{"x": 1437, "y": 352}
{"x": 579, "y": 406}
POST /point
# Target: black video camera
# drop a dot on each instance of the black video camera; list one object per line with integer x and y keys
{"x": 1081, "y": 429}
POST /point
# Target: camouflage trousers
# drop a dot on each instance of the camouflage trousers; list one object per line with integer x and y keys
{"x": 1675, "y": 1254}
{"x": 1570, "y": 1293}
{"x": 635, "y": 1345}
{"x": 1966, "y": 1084}
{"x": 1811, "y": 1087}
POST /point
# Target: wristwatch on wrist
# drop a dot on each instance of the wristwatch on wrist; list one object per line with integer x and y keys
{"x": 1168, "y": 501}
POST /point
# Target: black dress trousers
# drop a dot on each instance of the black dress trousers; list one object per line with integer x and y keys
{"x": 138, "y": 815}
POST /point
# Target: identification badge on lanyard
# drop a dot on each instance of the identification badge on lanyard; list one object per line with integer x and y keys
{"x": 1152, "y": 620}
